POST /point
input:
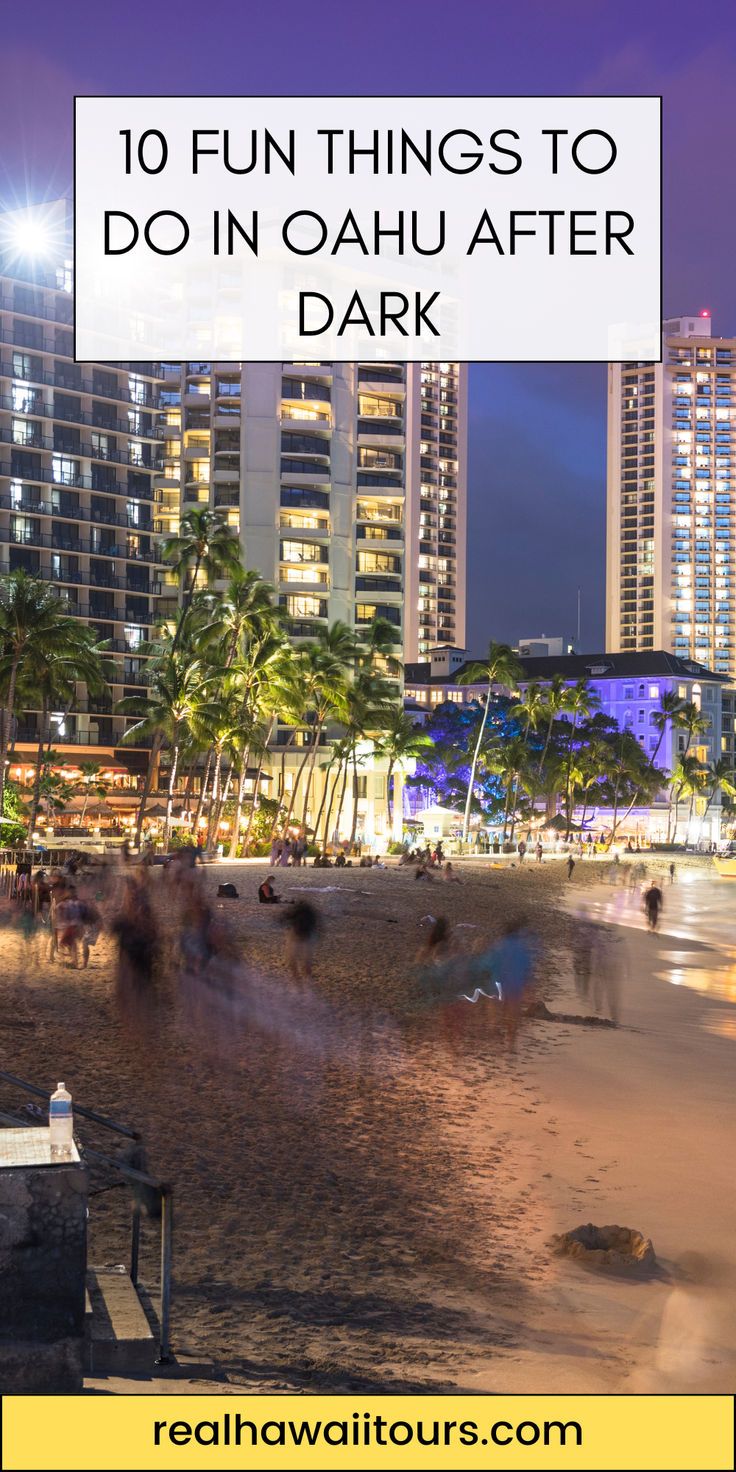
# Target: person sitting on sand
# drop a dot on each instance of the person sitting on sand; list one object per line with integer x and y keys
{"x": 423, "y": 870}
{"x": 449, "y": 875}
{"x": 267, "y": 894}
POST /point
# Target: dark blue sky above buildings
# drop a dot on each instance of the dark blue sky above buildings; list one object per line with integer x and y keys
{"x": 537, "y": 431}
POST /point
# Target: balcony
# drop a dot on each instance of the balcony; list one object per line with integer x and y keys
{"x": 29, "y": 305}
{"x": 39, "y": 409}
{"x": 70, "y": 377}
{"x": 82, "y": 450}
{"x": 28, "y": 506}
{"x": 32, "y": 538}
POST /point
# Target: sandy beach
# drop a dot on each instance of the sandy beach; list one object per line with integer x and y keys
{"x": 365, "y": 1182}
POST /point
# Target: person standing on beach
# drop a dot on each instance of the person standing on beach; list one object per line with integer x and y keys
{"x": 570, "y": 865}
{"x": 609, "y": 965}
{"x": 511, "y": 964}
{"x": 135, "y": 931}
{"x": 302, "y": 926}
{"x": 582, "y": 957}
{"x": 653, "y": 905}
{"x": 672, "y": 873}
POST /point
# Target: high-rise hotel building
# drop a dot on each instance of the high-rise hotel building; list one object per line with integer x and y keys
{"x": 345, "y": 481}
{"x": 436, "y": 511}
{"x": 79, "y": 455}
{"x": 671, "y": 499}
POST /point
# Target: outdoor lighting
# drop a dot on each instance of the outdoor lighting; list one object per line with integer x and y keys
{"x": 30, "y": 238}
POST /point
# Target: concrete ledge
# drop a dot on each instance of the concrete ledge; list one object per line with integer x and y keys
{"x": 119, "y": 1339}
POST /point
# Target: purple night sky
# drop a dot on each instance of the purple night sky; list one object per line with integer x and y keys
{"x": 537, "y": 432}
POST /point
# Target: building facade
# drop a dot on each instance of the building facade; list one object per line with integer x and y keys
{"x": 630, "y": 687}
{"x": 436, "y": 507}
{"x": 346, "y": 482}
{"x": 79, "y": 456}
{"x": 670, "y": 512}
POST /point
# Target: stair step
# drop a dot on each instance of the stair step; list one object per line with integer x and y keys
{"x": 119, "y": 1337}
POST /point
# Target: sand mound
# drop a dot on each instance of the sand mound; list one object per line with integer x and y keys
{"x": 621, "y": 1248}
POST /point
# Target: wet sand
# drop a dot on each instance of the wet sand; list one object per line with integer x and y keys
{"x": 363, "y": 1187}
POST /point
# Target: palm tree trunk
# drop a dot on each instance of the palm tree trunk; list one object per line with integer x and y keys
{"x": 7, "y": 722}
{"x": 224, "y": 795}
{"x": 568, "y": 803}
{"x": 310, "y": 773}
{"x": 214, "y": 797}
{"x": 505, "y": 812}
{"x": 202, "y": 792}
{"x": 294, "y": 791}
{"x": 476, "y": 753}
{"x": 36, "y": 799}
{"x": 330, "y": 805}
{"x": 547, "y": 740}
{"x": 256, "y": 787}
{"x": 389, "y": 798}
{"x": 342, "y": 796}
{"x": 513, "y": 809}
{"x": 354, "y": 827}
{"x": 281, "y": 793}
{"x": 187, "y": 801}
{"x": 243, "y": 778}
{"x": 170, "y": 792}
{"x": 614, "y": 824}
{"x": 156, "y": 745}
{"x": 321, "y": 807}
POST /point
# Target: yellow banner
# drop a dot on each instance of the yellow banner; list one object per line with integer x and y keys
{"x": 393, "y": 1432}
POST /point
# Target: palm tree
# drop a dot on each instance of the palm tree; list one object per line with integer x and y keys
{"x": 377, "y": 648}
{"x": 718, "y": 778}
{"x": 670, "y": 708}
{"x": 692, "y": 720}
{"x": 368, "y": 702}
{"x": 91, "y": 781}
{"x": 581, "y": 700}
{"x": 176, "y": 701}
{"x": 531, "y": 708}
{"x": 324, "y": 662}
{"x": 51, "y": 679}
{"x": 33, "y": 624}
{"x": 243, "y": 613}
{"x": 259, "y": 676}
{"x": 203, "y": 543}
{"x": 401, "y": 741}
{"x": 500, "y": 668}
{"x": 555, "y": 695}
{"x": 511, "y": 760}
{"x": 626, "y": 766}
{"x": 686, "y": 781}
{"x": 340, "y": 758}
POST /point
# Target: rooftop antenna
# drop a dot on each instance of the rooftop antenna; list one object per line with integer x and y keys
{"x": 577, "y": 637}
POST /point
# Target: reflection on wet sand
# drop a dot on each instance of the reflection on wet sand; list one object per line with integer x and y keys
{"x": 697, "y": 911}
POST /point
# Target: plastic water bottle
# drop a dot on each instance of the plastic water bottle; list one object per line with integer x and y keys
{"x": 61, "y": 1124}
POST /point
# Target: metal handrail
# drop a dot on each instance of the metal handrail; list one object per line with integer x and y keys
{"x": 137, "y": 1177}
